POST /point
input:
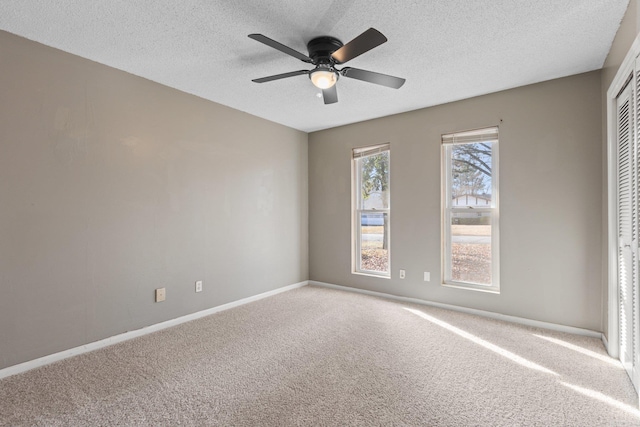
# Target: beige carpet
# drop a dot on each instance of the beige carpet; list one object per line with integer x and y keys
{"x": 315, "y": 356}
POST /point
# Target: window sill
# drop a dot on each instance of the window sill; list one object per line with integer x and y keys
{"x": 379, "y": 276}
{"x": 471, "y": 287}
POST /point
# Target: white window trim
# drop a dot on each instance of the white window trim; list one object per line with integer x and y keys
{"x": 461, "y": 138}
{"x": 356, "y": 211}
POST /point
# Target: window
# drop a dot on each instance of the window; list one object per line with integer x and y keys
{"x": 371, "y": 210}
{"x": 470, "y": 214}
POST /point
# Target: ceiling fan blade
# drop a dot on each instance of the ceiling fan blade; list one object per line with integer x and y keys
{"x": 279, "y": 46}
{"x": 280, "y": 76}
{"x": 371, "y": 77}
{"x": 330, "y": 95}
{"x": 361, "y": 44}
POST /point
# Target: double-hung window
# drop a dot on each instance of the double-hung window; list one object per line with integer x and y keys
{"x": 371, "y": 210}
{"x": 470, "y": 214}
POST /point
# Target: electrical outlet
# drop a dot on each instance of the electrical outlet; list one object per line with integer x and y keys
{"x": 427, "y": 276}
{"x": 161, "y": 294}
{"x": 199, "y": 286}
{"x": 402, "y": 274}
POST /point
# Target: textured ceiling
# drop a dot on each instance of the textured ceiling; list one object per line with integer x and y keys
{"x": 446, "y": 49}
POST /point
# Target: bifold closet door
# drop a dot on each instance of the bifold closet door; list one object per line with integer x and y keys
{"x": 627, "y": 220}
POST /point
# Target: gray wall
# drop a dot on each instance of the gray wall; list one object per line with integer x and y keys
{"x": 550, "y": 195}
{"x": 627, "y": 32}
{"x": 112, "y": 186}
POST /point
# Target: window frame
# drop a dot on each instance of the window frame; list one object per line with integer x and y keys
{"x": 448, "y": 209}
{"x": 357, "y": 211}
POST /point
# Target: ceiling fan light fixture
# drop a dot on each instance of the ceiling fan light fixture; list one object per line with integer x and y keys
{"x": 323, "y": 78}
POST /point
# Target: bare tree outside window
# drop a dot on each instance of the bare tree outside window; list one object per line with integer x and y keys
{"x": 471, "y": 232}
{"x": 470, "y": 210}
{"x": 372, "y": 172}
{"x": 471, "y": 164}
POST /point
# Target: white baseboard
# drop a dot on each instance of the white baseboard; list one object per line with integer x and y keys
{"x": 492, "y": 315}
{"x": 46, "y": 360}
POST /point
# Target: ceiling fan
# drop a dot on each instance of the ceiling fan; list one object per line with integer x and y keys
{"x": 327, "y": 52}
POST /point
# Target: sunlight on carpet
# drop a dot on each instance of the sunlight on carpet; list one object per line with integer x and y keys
{"x": 316, "y": 356}
{"x": 502, "y": 352}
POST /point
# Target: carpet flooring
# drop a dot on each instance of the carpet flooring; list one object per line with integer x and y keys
{"x": 315, "y": 356}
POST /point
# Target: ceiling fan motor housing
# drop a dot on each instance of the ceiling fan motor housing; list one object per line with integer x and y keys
{"x": 321, "y": 48}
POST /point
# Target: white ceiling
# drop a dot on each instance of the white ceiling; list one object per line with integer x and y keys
{"x": 446, "y": 49}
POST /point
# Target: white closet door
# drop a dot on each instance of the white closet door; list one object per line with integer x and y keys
{"x": 635, "y": 217}
{"x": 627, "y": 228}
